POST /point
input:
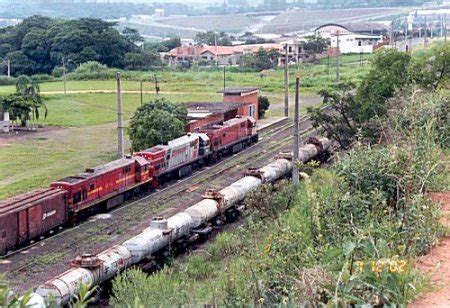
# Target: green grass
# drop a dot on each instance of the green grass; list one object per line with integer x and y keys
{"x": 346, "y": 59}
{"x": 201, "y": 81}
{"x": 87, "y": 109}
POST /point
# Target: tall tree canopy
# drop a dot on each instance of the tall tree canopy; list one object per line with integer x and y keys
{"x": 39, "y": 44}
{"x": 156, "y": 122}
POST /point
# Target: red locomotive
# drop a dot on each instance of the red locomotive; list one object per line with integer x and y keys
{"x": 28, "y": 216}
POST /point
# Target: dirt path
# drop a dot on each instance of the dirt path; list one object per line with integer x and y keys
{"x": 114, "y": 91}
{"x": 437, "y": 263}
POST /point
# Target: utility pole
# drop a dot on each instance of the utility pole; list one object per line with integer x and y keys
{"x": 64, "y": 74}
{"x": 295, "y": 174}
{"x": 445, "y": 28}
{"x": 142, "y": 94}
{"x": 224, "y": 82}
{"x": 8, "y": 63}
{"x": 119, "y": 117}
{"x": 425, "y": 33}
{"x": 392, "y": 34}
{"x": 338, "y": 77}
{"x": 156, "y": 85}
{"x": 286, "y": 82}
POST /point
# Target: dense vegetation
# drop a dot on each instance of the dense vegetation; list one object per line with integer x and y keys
{"x": 39, "y": 44}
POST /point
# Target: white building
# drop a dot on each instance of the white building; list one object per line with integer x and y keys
{"x": 356, "y": 43}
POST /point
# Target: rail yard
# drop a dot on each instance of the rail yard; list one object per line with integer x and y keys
{"x": 33, "y": 265}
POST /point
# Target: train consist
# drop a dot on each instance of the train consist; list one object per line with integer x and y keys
{"x": 29, "y": 216}
{"x": 165, "y": 233}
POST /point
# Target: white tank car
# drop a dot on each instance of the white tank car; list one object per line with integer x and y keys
{"x": 158, "y": 235}
{"x": 63, "y": 287}
{"x": 276, "y": 169}
{"x": 145, "y": 244}
{"x": 113, "y": 260}
{"x": 202, "y": 211}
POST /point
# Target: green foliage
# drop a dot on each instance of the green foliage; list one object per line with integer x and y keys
{"x": 38, "y": 44}
{"x": 25, "y": 104}
{"x": 9, "y": 300}
{"x": 261, "y": 61}
{"x": 143, "y": 60}
{"x": 432, "y": 70}
{"x": 213, "y": 38}
{"x": 163, "y": 46}
{"x": 315, "y": 44}
{"x": 84, "y": 297}
{"x": 361, "y": 114}
{"x": 263, "y": 106}
{"x": 153, "y": 290}
{"x": 340, "y": 121}
{"x": 389, "y": 72}
{"x": 156, "y": 122}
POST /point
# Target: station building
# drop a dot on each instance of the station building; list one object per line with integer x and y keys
{"x": 235, "y": 102}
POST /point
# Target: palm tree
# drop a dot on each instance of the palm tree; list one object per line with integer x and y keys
{"x": 29, "y": 88}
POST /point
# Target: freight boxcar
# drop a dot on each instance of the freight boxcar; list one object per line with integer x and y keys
{"x": 178, "y": 157}
{"x": 28, "y": 216}
{"x": 107, "y": 184}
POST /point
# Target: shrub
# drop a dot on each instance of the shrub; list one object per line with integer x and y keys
{"x": 7, "y": 81}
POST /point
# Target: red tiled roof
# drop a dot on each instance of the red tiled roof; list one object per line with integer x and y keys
{"x": 196, "y": 51}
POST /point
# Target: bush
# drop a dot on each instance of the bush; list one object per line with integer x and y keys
{"x": 264, "y": 105}
{"x": 58, "y": 71}
{"x": 7, "y": 81}
{"x": 43, "y": 77}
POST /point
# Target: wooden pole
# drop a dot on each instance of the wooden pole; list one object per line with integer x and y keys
{"x": 295, "y": 172}
{"x": 142, "y": 93}
{"x": 119, "y": 117}
{"x": 64, "y": 75}
{"x": 338, "y": 76}
{"x": 224, "y": 82}
{"x": 286, "y": 83}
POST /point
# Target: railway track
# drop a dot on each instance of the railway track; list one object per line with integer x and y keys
{"x": 134, "y": 215}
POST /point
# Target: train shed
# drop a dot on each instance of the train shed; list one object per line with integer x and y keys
{"x": 203, "y": 114}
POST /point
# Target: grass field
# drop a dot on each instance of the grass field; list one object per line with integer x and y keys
{"x": 86, "y": 133}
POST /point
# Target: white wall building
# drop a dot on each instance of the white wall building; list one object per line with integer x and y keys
{"x": 355, "y": 43}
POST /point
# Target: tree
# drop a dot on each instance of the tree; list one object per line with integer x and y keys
{"x": 315, "y": 44}
{"x": 213, "y": 38}
{"x": 38, "y": 44}
{"x": 132, "y": 35}
{"x": 389, "y": 72}
{"x": 261, "y": 61}
{"x": 142, "y": 60}
{"x": 339, "y": 120}
{"x": 263, "y": 106}
{"x": 432, "y": 71}
{"x": 156, "y": 122}
{"x": 25, "y": 104}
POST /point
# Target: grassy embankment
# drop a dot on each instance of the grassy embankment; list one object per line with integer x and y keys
{"x": 88, "y": 136}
